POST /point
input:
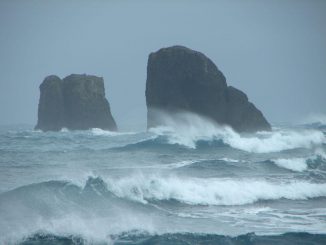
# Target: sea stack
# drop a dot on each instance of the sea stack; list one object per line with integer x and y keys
{"x": 183, "y": 80}
{"x": 76, "y": 102}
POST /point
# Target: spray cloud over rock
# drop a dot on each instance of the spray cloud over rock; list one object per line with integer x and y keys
{"x": 187, "y": 129}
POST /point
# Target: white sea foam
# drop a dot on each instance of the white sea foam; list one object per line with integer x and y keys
{"x": 276, "y": 141}
{"x": 226, "y": 159}
{"x": 190, "y": 162}
{"x": 99, "y": 132}
{"x": 187, "y": 129}
{"x": 181, "y": 164}
{"x": 295, "y": 164}
{"x": 214, "y": 191}
{"x": 300, "y": 164}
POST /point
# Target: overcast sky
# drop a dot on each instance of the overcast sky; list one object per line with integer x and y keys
{"x": 275, "y": 51}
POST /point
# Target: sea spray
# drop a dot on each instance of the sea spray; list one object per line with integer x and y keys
{"x": 188, "y": 129}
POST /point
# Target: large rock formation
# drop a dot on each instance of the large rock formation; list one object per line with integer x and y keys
{"x": 180, "y": 79}
{"x": 77, "y": 102}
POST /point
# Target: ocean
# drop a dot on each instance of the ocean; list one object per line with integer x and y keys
{"x": 188, "y": 184}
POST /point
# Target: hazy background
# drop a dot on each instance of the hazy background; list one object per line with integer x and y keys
{"x": 275, "y": 51}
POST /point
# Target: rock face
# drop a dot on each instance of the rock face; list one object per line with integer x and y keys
{"x": 77, "y": 102}
{"x": 180, "y": 79}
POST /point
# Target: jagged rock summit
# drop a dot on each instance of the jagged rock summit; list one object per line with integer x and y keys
{"x": 76, "y": 102}
{"x": 183, "y": 80}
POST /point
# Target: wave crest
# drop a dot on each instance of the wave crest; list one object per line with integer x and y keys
{"x": 193, "y": 130}
{"x": 103, "y": 207}
{"x": 214, "y": 191}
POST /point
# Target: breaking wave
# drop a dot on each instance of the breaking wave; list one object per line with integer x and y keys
{"x": 66, "y": 209}
{"x": 194, "y": 191}
{"x": 164, "y": 179}
{"x": 108, "y": 206}
{"x": 200, "y": 162}
{"x": 295, "y": 164}
{"x": 317, "y": 161}
{"x": 213, "y": 191}
{"x": 193, "y": 131}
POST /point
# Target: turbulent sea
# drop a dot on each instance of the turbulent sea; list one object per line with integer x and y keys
{"x": 185, "y": 184}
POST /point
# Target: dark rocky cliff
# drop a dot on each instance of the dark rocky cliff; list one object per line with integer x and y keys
{"x": 180, "y": 79}
{"x": 77, "y": 102}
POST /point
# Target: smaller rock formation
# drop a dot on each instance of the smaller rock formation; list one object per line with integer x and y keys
{"x": 77, "y": 102}
{"x": 183, "y": 80}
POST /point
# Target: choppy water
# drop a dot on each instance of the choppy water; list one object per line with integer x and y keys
{"x": 190, "y": 184}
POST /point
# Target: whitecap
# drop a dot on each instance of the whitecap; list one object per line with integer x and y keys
{"x": 187, "y": 129}
{"x": 102, "y": 132}
{"x": 212, "y": 191}
{"x": 316, "y": 118}
{"x": 226, "y": 159}
{"x": 294, "y": 164}
{"x": 64, "y": 130}
{"x": 181, "y": 164}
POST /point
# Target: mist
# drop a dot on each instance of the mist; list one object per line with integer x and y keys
{"x": 275, "y": 51}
